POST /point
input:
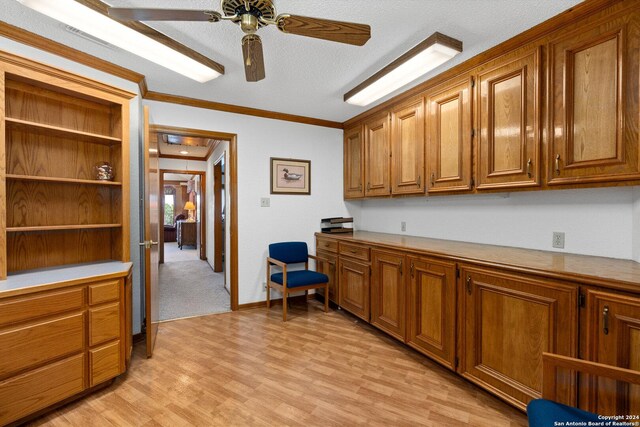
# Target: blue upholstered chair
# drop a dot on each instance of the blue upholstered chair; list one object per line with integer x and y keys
{"x": 286, "y": 253}
{"x": 546, "y": 412}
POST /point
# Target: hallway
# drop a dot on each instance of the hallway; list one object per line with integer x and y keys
{"x": 191, "y": 288}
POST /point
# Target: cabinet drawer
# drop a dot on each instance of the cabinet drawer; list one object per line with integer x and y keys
{"x": 104, "y": 324}
{"x": 354, "y": 251}
{"x": 32, "y": 345}
{"x": 40, "y": 305}
{"x": 104, "y": 292}
{"x": 35, "y": 390}
{"x": 326, "y": 245}
{"x": 105, "y": 363}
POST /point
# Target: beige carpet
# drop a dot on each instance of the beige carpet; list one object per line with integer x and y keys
{"x": 172, "y": 253}
{"x": 191, "y": 288}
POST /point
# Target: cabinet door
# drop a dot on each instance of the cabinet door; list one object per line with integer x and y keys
{"x": 594, "y": 104}
{"x": 509, "y": 123}
{"x": 376, "y": 159}
{"x": 388, "y": 293}
{"x": 449, "y": 137}
{"x": 353, "y": 163}
{"x": 329, "y": 268}
{"x": 354, "y": 288}
{"x": 613, "y": 338}
{"x": 507, "y": 322}
{"x": 407, "y": 148}
{"x": 431, "y": 306}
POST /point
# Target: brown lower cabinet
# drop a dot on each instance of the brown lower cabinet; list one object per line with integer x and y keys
{"x": 55, "y": 344}
{"x": 491, "y": 323}
{"x": 354, "y": 287}
{"x": 508, "y": 320}
{"x": 329, "y": 268}
{"x": 388, "y": 292}
{"x": 613, "y": 338}
{"x": 431, "y": 308}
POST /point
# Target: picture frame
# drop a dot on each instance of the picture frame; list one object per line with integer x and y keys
{"x": 290, "y": 176}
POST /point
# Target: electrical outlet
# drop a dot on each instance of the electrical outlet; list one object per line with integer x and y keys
{"x": 265, "y": 202}
{"x": 558, "y": 240}
{"x": 403, "y": 226}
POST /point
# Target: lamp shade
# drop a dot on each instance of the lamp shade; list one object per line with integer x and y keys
{"x": 189, "y": 206}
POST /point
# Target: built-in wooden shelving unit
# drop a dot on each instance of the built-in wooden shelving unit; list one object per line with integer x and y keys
{"x": 55, "y": 128}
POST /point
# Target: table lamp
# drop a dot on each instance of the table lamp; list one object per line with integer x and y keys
{"x": 189, "y": 206}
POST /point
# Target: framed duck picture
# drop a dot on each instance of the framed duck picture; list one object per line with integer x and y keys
{"x": 290, "y": 176}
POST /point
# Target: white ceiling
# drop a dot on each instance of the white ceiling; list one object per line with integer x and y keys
{"x": 307, "y": 76}
{"x": 181, "y": 177}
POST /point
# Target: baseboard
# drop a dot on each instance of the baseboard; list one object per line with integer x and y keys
{"x": 278, "y": 301}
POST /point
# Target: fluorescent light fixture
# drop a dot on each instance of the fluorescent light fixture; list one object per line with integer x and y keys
{"x": 153, "y": 150}
{"x": 432, "y": 52}
{"x": 184, "y": 152}
{"x": 98, "y": 25}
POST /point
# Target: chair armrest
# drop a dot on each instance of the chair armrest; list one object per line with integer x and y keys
{"x": 550, "y": 363}
{"x": 320, "y": 259}
{"x": 276, "y": 262}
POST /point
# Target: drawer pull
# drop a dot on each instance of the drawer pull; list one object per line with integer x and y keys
{"x": 605, "y": 320}
{"x": 469, "y": 284}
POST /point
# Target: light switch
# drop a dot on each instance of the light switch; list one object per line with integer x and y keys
{"x": 265, "y": 202}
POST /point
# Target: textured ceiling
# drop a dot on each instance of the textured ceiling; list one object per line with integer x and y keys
{"x": 307, "y": 76}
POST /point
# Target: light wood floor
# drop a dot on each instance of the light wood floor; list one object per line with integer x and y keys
{"x": 251, "y": 369}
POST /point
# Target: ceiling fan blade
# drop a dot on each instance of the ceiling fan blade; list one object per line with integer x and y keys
{"x": 336, "y": 31}
{"x": 133, "y": 14}
{"x": 253, "y": 57}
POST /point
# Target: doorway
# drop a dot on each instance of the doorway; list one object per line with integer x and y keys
{"x": 188, "y": 284}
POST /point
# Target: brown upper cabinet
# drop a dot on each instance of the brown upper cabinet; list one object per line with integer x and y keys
{"x": 508, "y": 122}
{"x": 353, "y": 163}
{"x": 594, "y": 75}
{"x": 377, "y": 160}
{"x": 407, "y": 148}
{"x": 449, "y": 137}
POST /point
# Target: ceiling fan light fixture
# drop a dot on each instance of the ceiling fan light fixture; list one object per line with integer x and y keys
{"x": 91, "y": 22}
{"x": 429, "y": 54}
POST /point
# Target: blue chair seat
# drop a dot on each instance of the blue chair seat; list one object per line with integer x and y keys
{"x": 300, "y": 278}
{"x": 543, "y": 413}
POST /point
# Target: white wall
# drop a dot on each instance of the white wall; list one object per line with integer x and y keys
{"x": 289, "y": 217}
{"x": 134, "y": 152}
{"x": 596, "y": 221}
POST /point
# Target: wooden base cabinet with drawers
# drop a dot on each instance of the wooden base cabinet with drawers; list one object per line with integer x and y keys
{"x": 491, "y": 319}
{"x": 56, "y": 344}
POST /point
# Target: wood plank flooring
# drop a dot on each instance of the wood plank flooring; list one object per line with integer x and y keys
{"x": 251, "y": 369}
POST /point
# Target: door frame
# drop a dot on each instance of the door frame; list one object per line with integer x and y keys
{"x": 203, "y": 211}
{"x": 231, "y": 186}
{"x": 218, "y": 236}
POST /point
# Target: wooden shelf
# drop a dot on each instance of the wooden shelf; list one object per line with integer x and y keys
{"x": 63, "y": 180}
{"x": 60, "y": 131}
{"x": 61, "y": 227}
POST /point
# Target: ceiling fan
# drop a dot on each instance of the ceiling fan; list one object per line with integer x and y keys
{"x": 252, "y": 15}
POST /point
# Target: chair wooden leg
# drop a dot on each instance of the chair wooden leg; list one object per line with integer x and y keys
{"x": 268, "y": 296}
{"x": 284, "y": 305}
{"x": 326, "y": 298}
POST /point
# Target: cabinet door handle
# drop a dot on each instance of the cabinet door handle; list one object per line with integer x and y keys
{"x": 433, "y": 179}
{"x": 529, "y": 168}
{"x": 368, "y": 186}
{"x": 469, "y": 285}
{"x": 605, "y": 320}
{"x": 557, "y": 164}
{"x": 401, "y": 268}
{"x": 419, "y": 181}
{"x": 359, "y": 187}
{"x": 411, "y": 270}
